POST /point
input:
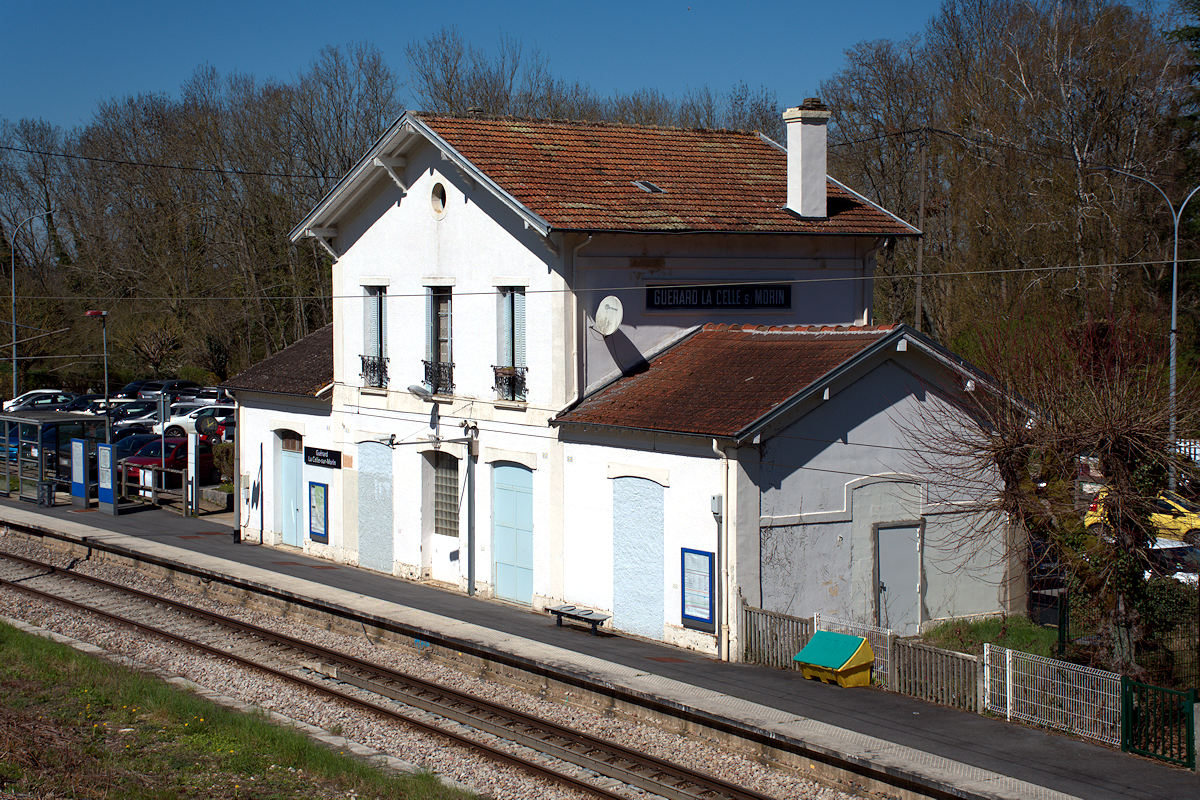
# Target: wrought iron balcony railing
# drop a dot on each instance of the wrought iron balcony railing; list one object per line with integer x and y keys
{"x": 374, "y": 371}
{"x": 439, "y": 376}
{"x": 510, "y": 382}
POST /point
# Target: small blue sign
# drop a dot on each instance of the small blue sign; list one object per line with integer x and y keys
{"x": 79, "y": 469}
{"x": 107, "y": 476}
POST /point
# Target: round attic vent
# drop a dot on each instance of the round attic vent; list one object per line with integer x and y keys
{"x": 438, "y": 199}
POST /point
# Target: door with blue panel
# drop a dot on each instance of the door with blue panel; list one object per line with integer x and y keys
{"x": 512, "y": 532}
{"x": 638, "y": 605}
{"x": 290, "y": 495}
{"x": 375, "y": 506}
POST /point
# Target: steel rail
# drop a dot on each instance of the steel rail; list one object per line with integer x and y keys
{"x": 485, "y": 749}
{"x": 599, "y": 755}
{"x": 853, "y": 767}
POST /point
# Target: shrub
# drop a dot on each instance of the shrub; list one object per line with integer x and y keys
{"x": 223, "y": 459}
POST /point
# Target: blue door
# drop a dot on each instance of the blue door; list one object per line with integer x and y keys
{"x": 375, "y": 506}
{"x": 512, "y": 532}
{"x": 638, "y": 590}
{"x": 289, "y": 497}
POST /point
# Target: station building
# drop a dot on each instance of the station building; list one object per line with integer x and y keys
{"x": 626, "y": 367}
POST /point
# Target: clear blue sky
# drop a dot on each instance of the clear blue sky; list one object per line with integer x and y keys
{"x": 60, "y": 58}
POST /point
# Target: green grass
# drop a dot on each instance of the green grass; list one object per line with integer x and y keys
{"x": 76, "y": 726}
{"x": 1015, "y": 633}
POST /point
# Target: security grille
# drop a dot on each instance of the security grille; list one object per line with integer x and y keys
{"x": 445, "y": 494}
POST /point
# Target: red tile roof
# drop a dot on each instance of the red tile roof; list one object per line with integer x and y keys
{"x": 723, "y": 378}
{"x": 580, "y": 176}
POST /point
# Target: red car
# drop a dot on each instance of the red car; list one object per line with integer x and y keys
{"x": 173, "y": 457}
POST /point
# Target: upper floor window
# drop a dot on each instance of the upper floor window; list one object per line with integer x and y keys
{"x": 374, "y": 355}
{"x": 509, "y": 370}
{"x": 439, "y": 360}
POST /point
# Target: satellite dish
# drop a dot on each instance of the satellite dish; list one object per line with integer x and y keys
{"x": 608, "y": 315}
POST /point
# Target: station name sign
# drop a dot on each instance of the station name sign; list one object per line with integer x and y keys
{"x": 316, "y": 457}
{"x": 761, "y": 295}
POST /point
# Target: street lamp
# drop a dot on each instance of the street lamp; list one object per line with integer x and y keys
{"x": 1176, "y": 215}
{"x": 103, "y": 315}
{"x": 12, "y": 245}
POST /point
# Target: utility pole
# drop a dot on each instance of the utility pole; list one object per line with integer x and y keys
{"x": 1176, "y": 216}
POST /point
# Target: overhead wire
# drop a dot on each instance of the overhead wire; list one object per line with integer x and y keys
{"x": 640, "y": 287}
{"x": 153, "y": 165}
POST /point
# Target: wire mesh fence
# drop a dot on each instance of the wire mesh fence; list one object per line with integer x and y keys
{"x": 880, "y": 639}
{"x": 1044, "y": 691}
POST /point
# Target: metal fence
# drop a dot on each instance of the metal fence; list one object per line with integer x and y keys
{"x": 1081, "y": 700}
{"x": 931, "y": 673}
{"x": 880, "y": 638}
{"x": 1158, "y": 722}
{"x": 771, "y": 638}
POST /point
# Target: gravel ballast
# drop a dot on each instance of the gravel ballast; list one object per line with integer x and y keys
{"x": 453, "y": 762}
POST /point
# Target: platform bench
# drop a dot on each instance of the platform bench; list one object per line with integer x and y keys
{"x": 580, "y": 614}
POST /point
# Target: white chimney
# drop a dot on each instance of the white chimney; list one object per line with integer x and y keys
{"x": 806, "y": 134}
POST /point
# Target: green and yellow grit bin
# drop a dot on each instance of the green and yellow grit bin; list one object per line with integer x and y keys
{"x": 837, "y": 658}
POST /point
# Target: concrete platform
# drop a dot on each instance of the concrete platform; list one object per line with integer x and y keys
{"x": 948, "y": 752}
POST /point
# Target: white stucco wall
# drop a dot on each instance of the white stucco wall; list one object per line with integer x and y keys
{"x": 690, "y": 476}
{"x": 260, "y": 417}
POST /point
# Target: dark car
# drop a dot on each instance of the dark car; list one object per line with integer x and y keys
{"x": 130, "y": 390}
{"x": 171, "y": 453}
{"x": 174, "y": 388}
{"x": 134, "y": 409}
{"x": 84, "y": 403}
{"x": 131, "y": 444}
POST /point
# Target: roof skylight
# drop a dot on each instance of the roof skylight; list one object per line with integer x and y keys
{"x": 647, "y": 186}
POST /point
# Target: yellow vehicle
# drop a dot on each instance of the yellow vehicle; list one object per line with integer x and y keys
{"x": 1173, "y": 518}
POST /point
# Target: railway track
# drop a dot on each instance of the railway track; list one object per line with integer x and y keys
{"x": 583, "y": 762}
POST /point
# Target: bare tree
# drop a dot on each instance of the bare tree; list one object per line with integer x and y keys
{"x": 1067, "y": 393}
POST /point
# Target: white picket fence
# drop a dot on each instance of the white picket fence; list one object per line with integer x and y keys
{"x": 880, "y": 639}
{"x": 1082, "y": 700}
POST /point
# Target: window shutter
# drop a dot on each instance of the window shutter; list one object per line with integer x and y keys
{"x": 429, "y": 312}
{"x": 370, "y": 322}
{"x": 381, "y": 310}
{"x": 518, "y": 327}
{"x": 504, "y": 325}
{"x": 447, "y": 330}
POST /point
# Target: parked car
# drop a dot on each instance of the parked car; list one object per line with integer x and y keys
{"x": 170, "y": 453}
{"x": 84, "y": 404}
{"x": 1173, "y": 517}
{"x": 176, "y": 388}
{"x": 130, "y": 390}
{"x": 22, "y": 399}
{"x": 130, "y": 444}
{"x": 213, "y": 394}
{"x": 134, "y": 408}
{"x": 185, "y": 423}
{"x": 226, "y": 429}
{"x": 43, "y": 401}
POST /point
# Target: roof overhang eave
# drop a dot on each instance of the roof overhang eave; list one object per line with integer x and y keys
{"x": 935, "y": 351}
{"x": 719, "y": 232}
{"x": 558, "y": 422}
{"x": 363, "y": 174}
